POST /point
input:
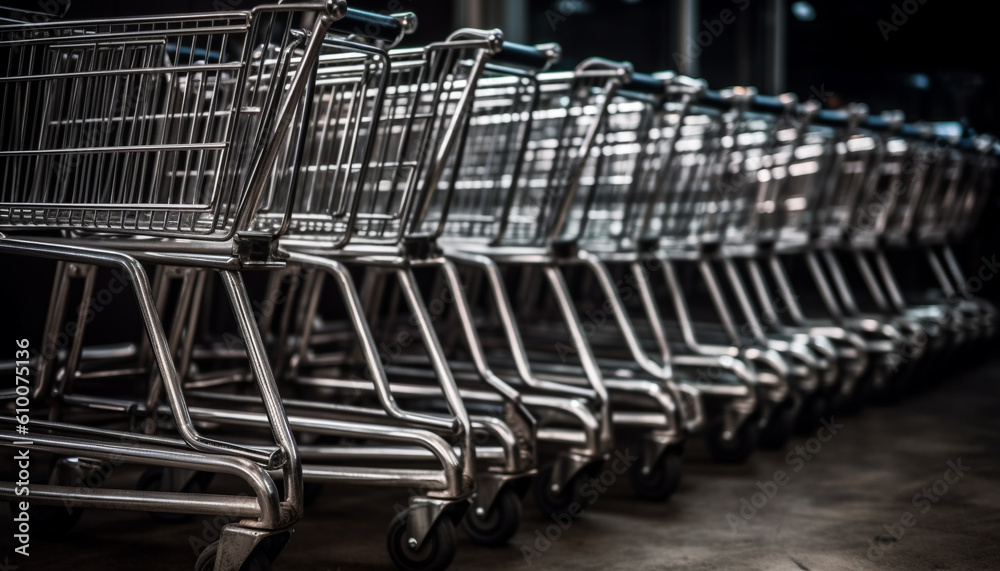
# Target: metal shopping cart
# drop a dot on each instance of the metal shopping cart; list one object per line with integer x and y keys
{"x": 583, "y": 117}
{"x": 498, "y": 187}
{"x": 150, "y": 140}
{"x": 734, "y": 219}
{"x": 931, "y": 164}
{"x": 672, "y": 230}
{"x": 804, "y": 216}
{"x": 351, "y": 219}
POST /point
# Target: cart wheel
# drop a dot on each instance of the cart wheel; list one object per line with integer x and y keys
{"x": 558, "y": 503}
{"x": 311, "y": 491}
{"x": 779, "y": 428}
{"x": 256, "y": 562}
{"x": 500, "y": 522}
{"x": 814, "y": 407}
{"x": 737, "y": 450}
{"x": 860, "y": 396}
{"x": 152, "y": 481}
{"x": 434, "y": 555}
{"x": 661, "y": 482}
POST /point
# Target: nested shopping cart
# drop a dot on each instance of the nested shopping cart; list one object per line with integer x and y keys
{"x": 663, "y": 231}
{"x": 359, "y": 97}
{"x": 496, "y": 190}
{"x": 944, "y": 208}
{"x": 509, "y": 208}
{"x": 725, "y": 222}
{"x": 351, "y": 218}
{"x": 839, "y": 212}
{"x": 133, "y": 141}
{"x": 878, "y": 179}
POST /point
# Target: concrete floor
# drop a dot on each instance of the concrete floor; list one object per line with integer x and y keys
{"x": 822, "y": 518}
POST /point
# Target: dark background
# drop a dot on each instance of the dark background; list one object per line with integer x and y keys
{"x": 939, "y": 65}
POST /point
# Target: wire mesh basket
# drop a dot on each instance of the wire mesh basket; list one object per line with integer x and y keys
{"x": 152, "y": 126}
{"x": 359, "y": 184}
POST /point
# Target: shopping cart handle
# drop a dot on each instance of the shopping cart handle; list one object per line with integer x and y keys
{"x": 915, "y": 131}
{"x": 646, "y": 83}
{"x": 714, "y": 98}
{"x": 384, "y": 27}
{"x": 832, "y": 117}
{"x": 876, "y": 123}
{"x": 538, "y": 57}
{"x": 772, "y": 103}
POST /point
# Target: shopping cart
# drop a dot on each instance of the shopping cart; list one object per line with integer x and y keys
{"x": 934, "y": 166}
{"x": 666, "y": 220}
{"x": 519, "y": 228}
{"x": 728, "y": 223}
{"x": 959, "y": 182}
{"x": 488, "y": 194}
{"x": 352, "y": 214}
{"x": 149, "y": 140}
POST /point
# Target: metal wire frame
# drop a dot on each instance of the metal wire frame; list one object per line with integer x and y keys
{"x": 158, "y": 126}
{"x": 410, "y": 131}
{"x": 570, "y": 113}
{"x": 474, "y": 195}
{"x": 540, "y": 174}
{"x": 131, "y": 97}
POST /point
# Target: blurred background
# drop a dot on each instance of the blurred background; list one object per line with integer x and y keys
{"x": 933, "y": 59}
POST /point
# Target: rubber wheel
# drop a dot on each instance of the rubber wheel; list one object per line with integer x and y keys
{"x": 662, "y": 481}
{"x": 558, "y": 503}
{"x": 814, "y": 408}
{"x": 779, "y": 428}
{"x": 499, "y": 524}
{"x": 152, "y": 481}
{"x": 435, "y": 554}
{"x": 860, "y": 395}
{"x": 256, "y": 562}
{"x": 737, "y": 450}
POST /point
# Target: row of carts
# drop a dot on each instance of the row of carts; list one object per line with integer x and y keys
{"x": 443, "y": 269}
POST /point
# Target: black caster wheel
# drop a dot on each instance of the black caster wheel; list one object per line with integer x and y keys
{"x": 860, "y": 396}
{"x": 434, "y": 555}
{"x": 256, "y": 562}
{"x": 814, "y": 407}
{"x": 779, "y": 428}
{"x": 737, "y": 449}
{"x": 152, "y": 481}
{"x": 661, "y": 482}
{"x": 558, "y": 503}
{"x": 499, "y": 524}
